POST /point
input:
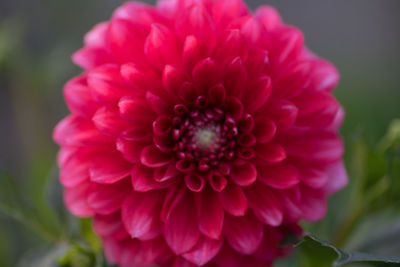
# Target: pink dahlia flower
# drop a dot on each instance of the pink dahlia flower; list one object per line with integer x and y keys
{"x": 200, "y": 134}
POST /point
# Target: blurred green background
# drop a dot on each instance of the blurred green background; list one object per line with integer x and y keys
{"x": 37, "y": 38}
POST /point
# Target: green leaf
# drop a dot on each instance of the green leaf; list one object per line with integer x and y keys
{"x": 324, "y": 250}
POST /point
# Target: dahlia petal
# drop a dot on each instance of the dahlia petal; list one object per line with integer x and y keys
{"x": 337, "y": 177}
{"x": 244, "y": 234}
{"x": 283, "y": 113}
{"x": 246, "y": 124}
{"x": 143, "y": 180}
{"x": 290, "y": 203}
{"x": 257, "y": 62}
{"x": 172, "y": 78}
{"x": 252, "y": 30}
{"x": 174, "y": 195}
{"x": 337, "y": 121}
{"x": 75, "y": 169}
{"x": 162, "y": 125}
{"x": 264, "y": 130}
{"x": 265, "y": 204}
{"x": 217, "y": 182}
{"x": 258, "y": 95}
{"x": 106, "y": 83}
{"x": 181, "y": 230}
{"x": 205, "y": 73}
{"x": 153, "y": 158}
{"x": 245, "y": 153}
{"x": 124, "y": 37}
{"x": 317, "y": 109}
{"x": 108, "y": 121}
{"x": 204, "y": 251}
{"x": 107, "y": 199}
{"x": 194, "y": 182}
{"x": 216, "y": 95}
{"x": 193, "y": 51}
{"x": 286, "y": 44}
{"x": 157, "y": 103}
{"x": 79, "y": 98}
{"x": 324, "y": 76}
{"x": 196, "y": 21}
{"x": 77, "y": 131}
{"x": 109, "y": 167}
{"x": 246, "y": 140}
{"x": 313, "y": 177}
{"x": 75, "y": 198}
{"x": 161, "y": 47}
{"x": 97, "y": 35}
{"x": 293, "y": 80}
{"x": 269, "y": 17}
{"x": 234, "y": 108}
{"x": 140, "y": 214}
{"x": 230, "y": 46}
{"x": 165, "y": 173}
{"x": 188, "y": 93}
{"x": 210, "y": 214}
{"x": 244, "y": 175}
{"x": 131, "y": 150}
{"x": 319, "y": 147}
{"x": 280, "y": 176}
{"x": 91, "y": 57}
{"x": 235, "y": 77}
{"x": 181, "y": 262}
{"x": 137, "y": 133}
{"x": 313, "y": 204}
{"x": 140, "y": 13}
{"x": 233, "y": 200}
{"x": 140, "y": 78}
{"x": 269, "y": 153}
{"x": 136, "y": 110}
{"x": 226, "y": 10}
{"x": 110, "y": 226}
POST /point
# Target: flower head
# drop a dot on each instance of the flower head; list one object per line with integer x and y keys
{"x": 200, "y": 134}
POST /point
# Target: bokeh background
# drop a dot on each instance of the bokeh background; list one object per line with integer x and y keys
{"x": 37, "y": 38}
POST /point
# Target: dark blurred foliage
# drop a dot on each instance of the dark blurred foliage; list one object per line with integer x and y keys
{"x": 37, "y": 38}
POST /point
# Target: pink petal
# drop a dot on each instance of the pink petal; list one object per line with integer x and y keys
{"x": 75, "y": 199}
{"x": 196, "y": 21}
{"x": 97, "y": 35}
{"x": 91, "y": 57}
{"x": 181, "y": 230}
{"x": 324, "y": 76}
{"x": 313, "y": 204}
{"x": 210, "y": 214}
{"x": 269, "y": 17}
{"x": 140, "y": 214}
{"x": 107, "y": 199}
{"x": 227, "y": 10}
{"x": 137, "y": 133}
{"x": 194, "y": 182}
{"x": 77, "y": 131}
{"x": 281, "y": 176}
{"x": 234, "y": 108}
{"x": 75, "y": 169}
{"x": 216, "y": 95}
{"x": 282, "y": 112}
{"x": 143, "y": 180}
{"x": 110, "y": 226}
{"x": 139, "y": 12}
{"x": 153, "y": 158}
{"x": 269, "y": 153}
{"x": 173, "y": 197}
{"x": 337, "y": 177}
{"x": 161, "y": 46}
{"x": 205, "y": 73}
{"x": 217, "y": 182}
{"x": 204, "y": 251}
{"x": 173, "y": 78}
{"x": 321, "y": 147}
{"x": 244, "y": 175}
{"x": 136, "y": 110}
{"x": 258, "y": 94}
{"x": 158, "y": 103}
{"x": 162, "y": 125}
{"x": 264, "y": 130}
{"x": 140, "y": 77}
{"x": 231, "y": 45}
{"x": 79, "y": 98}
{"x": 124, "y": 37}
{"x": 106, "y": 83}
{"x": 265, "y": 204}
{"x": 233, "y": 200}
{"x": 192, "y": 52}
{"x": 109, "y": 167}
{"x": 235, "y": 77}
{"x": 131, "y": 150}
{"x": 108, "y": 121}
{"x": 244, "y": 234}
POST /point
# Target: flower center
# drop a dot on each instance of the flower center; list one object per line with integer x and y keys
{"x": 204, "y": 137}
